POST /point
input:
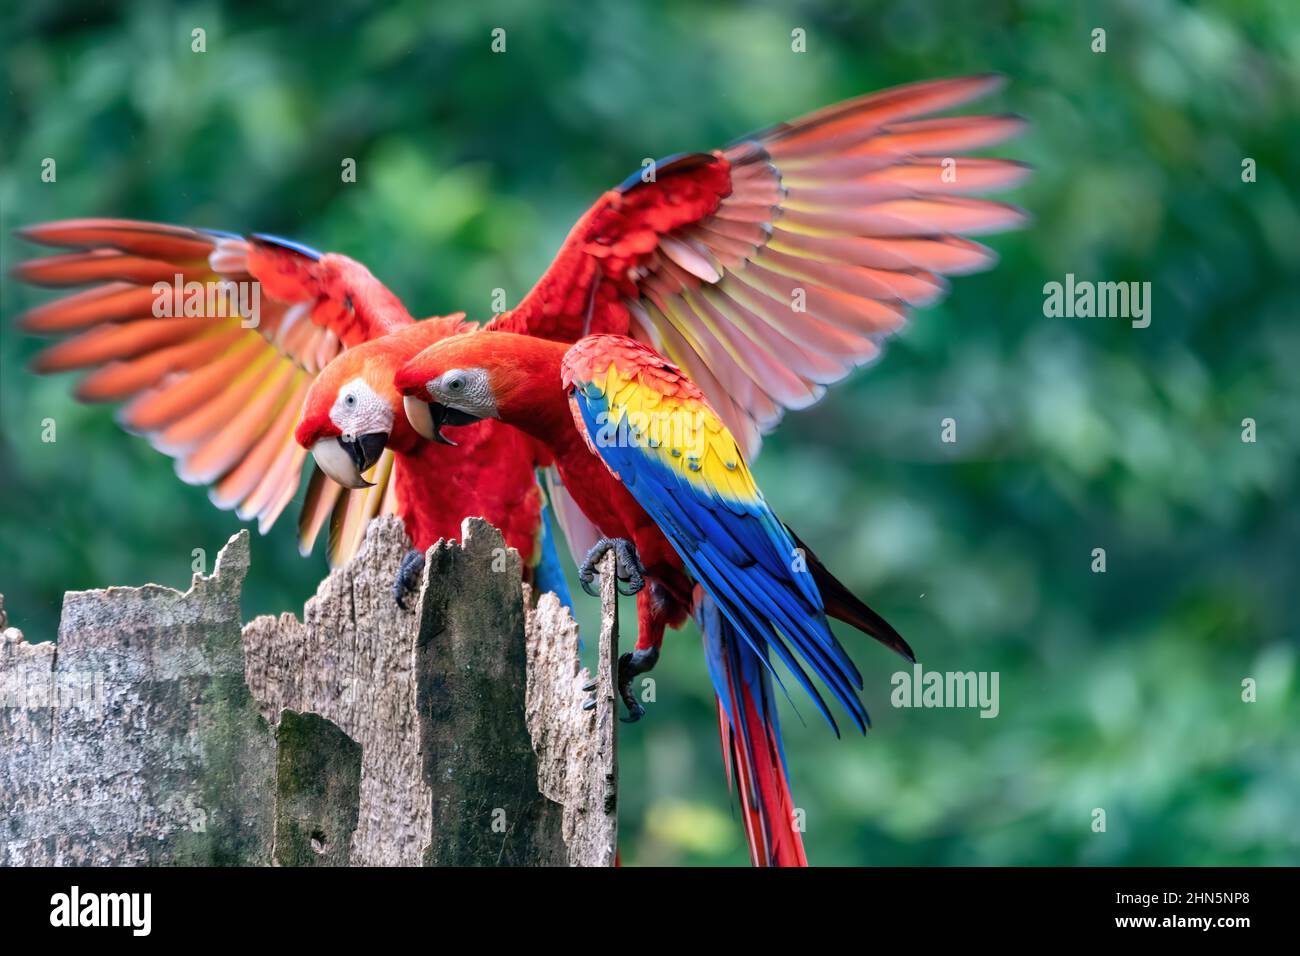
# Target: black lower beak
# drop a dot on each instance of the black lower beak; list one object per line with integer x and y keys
{"x": 442, "y": 415}
{"x": 365, "y": 449}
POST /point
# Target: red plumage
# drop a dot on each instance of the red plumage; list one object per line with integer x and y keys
{"x": 489, "y": 473}
{"x": 526, "y": 381}
{"x": 238, "y": 405}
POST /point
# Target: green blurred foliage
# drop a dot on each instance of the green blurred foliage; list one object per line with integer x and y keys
{"x": 1119, "y": 690}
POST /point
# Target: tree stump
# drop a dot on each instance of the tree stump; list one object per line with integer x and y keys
{"x": 159, "y": 731}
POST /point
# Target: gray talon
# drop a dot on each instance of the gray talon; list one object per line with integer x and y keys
{"x": 630, "y": 666}
{"x": 408, "y": 576}
{"x": 628, "y": 565}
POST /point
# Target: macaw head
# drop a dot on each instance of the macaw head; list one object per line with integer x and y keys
{"x": 482, "y": 375}
{"x": 348, "y": 415}
{"x": 352, "y": 411}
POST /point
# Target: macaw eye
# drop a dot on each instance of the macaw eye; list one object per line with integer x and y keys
{"x": 350, "y": 400}
{"x": 456, "y": 384}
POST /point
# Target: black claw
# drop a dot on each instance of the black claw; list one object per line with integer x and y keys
{"x": 587, "y": 573}
{"x": 629, "y": 566}
{"x": 627, "y": 563}
{"x": 630, "y": 666}
{"x": 589, "y": 704}
{"x": 588, "y": 688}
{"x": 408, "y": 576}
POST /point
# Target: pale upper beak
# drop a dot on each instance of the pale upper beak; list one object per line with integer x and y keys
{"x": 346, "y": 461}
{"x": 427, "y": 418}
{"x": 418, "y": 414}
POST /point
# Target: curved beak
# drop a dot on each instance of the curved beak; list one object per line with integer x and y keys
{"x": 418, "y": 414}
{"x": 427, "y": 418}
{"x": 346, "y": 460}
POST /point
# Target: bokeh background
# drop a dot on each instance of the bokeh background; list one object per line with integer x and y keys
{"x": 1120, "y": 691}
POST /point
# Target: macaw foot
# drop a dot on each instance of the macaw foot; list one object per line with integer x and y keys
{"x": 629, "y": 666}
{"x": 408, "y": 576}
{"x": 628, "y": 564}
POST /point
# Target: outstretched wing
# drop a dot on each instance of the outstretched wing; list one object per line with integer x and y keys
{"x": 770, "y": 269}
{"x": 213, "y": 373}
{"x": 656, "y": 432}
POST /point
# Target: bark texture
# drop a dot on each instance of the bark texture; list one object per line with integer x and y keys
{"x": 134, "y": 739}
{"x": 351, "y": 660}
{"x": 157, "y": 731}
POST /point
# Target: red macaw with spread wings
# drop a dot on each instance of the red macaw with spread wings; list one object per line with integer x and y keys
{"x": 239, "y": 399}
{"x": 762, "y": 272}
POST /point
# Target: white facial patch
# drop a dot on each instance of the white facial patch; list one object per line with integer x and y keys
{"x": 466, "y": 389}
{"x": 360, "y": 411}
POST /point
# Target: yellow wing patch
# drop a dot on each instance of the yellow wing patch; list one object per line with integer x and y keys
{"x": 686, "y": 436}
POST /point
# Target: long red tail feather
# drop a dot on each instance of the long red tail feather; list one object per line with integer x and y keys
{"x": 750, "y": 733}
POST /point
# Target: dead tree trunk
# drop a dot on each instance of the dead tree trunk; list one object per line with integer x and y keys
{"x": 159, "y": 731}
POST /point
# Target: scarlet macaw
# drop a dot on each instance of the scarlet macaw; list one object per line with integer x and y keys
{"x": 223, "y": 395}
{"x": 651, "y": 464}
{"x": 770, "y": 269}
{"x": 765, "y": 271}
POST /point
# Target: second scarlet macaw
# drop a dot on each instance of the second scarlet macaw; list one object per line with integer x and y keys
{"x": 651, "y": 464}
{"x": 764, "y": 271}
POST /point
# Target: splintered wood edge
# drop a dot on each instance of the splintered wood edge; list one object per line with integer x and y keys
{"x": 607, "y": 675}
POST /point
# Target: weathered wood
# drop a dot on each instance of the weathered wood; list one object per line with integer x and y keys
{"x": 351, "y": 660}
{"x": 451, "y": 734}
{"x": 478, "y": 757}
{"x": 577, "y": 762}
{"x": 134, "y": 740}
{"x": 317, "y": 791}
{"x": 436, "y": 700}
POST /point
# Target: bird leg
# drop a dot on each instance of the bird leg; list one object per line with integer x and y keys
{"x": 408, "y": 576}
{"x": 629, "y": 667}
{"x": 629, "y": 567}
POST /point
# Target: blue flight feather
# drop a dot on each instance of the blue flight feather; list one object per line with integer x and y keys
{"x": 740, "y": 556}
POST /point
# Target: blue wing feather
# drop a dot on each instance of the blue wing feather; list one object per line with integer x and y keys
{"x": 548, "y": 575}
{"x": 741, "y": 557}
{"x": 289, "y": 244}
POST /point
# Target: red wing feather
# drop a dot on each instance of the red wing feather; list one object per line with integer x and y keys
{"x": 218, "y": 391}
{"x": 800, "y": 246}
